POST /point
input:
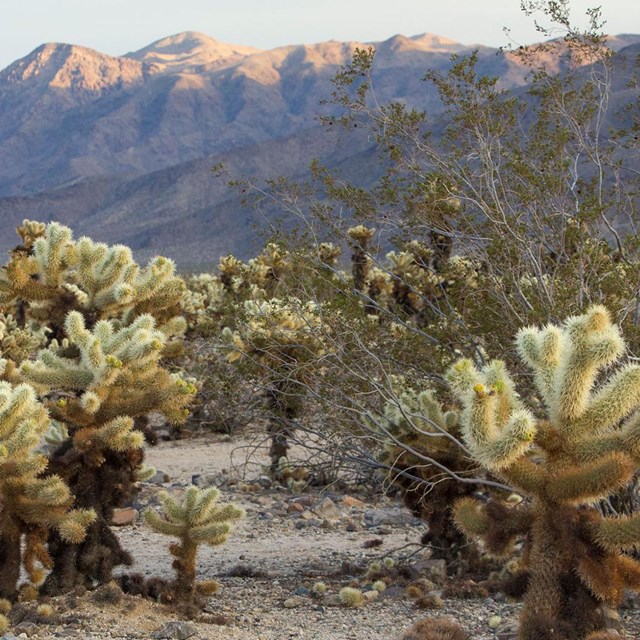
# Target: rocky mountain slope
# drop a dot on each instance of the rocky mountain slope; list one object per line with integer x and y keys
{"x": 121, "y": 147}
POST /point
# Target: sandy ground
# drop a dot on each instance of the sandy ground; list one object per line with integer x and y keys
{"x": 287, "y": 550}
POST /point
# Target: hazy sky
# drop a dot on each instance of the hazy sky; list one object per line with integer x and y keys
{"x": 118, "y": 26}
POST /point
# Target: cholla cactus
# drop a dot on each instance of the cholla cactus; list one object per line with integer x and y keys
{"x": 111, "y": 326}
{"x": 109, "y": 376}
{"x": 58, "y": 274}
{"x": 31, "y": 503}
{"x": 586, "y": 448}
{"x": 415, "y": 427}
{"x": 285, "y": 339}
{"x": 360, "y": 260}
{"x": 232, "y": 272}
{"x": 267, "y": 269}
{"x": 202, "y": 299}
{"x": 414, "y": 282}
{"x": 198, "y": 519}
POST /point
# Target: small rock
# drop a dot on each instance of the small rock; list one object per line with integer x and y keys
{"x": 175, "y": 631}
{"x": 160, "y": 477}
{"x": 124, "y": 517}
{"x": 351, "y": 502}
{"x": 390, "y": 516}
{"x": 28, "y": 628}
{"x": 295, "y": 507}
{"x": 327, "y": 509}
{"x": 294, "y": 602}
{"x": 351, "y": 525}
{"x": 306, "y": 515}
{"x": 265, "y": 482}
{"x": 302, "y": 591}
{"x": 393, "y": 592}
{"x": 328, "y": 526}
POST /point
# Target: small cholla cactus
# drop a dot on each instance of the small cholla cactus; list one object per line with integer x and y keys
{"x": 360, "y": 260}
{"x": 31, "y": 503}
{"x": 198, "y": 519}
{"x": 232, "y": 272}
{"x": 416, "y": 428}
{"x": 328, "y": 253}
{"x": 285, "y": 340}
{"x": 29, "y": 231}
{"x": 587, "y": 447}
{"x": 267, "y": 269}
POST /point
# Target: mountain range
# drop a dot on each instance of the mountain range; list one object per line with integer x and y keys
{"x": 121, "y": 148}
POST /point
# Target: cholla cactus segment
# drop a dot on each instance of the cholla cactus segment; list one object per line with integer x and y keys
{"x": 54, "y": 253}
{"x": 29, "y": 231}
{"x": 18, "y": 343}
{"x": 31, "y": 504}
{"x": 496, "y": 427}
{"x": 117, "y": 372}
{"x": 361, "y": 234}
{"x": 587, "y": 448}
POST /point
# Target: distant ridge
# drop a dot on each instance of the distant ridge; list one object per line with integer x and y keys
{"x": 190, "y": 50}
{"x": 120, "y": 146}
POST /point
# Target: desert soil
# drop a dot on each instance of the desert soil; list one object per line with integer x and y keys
{"x": 286, "y": 543}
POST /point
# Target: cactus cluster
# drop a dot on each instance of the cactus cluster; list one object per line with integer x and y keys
{"x": 92, "y": 332}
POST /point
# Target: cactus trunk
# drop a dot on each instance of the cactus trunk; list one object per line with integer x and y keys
{"x": 557, "y": 604}
{"x": 185, "y": 566}
{"x": 10, "y": 560}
